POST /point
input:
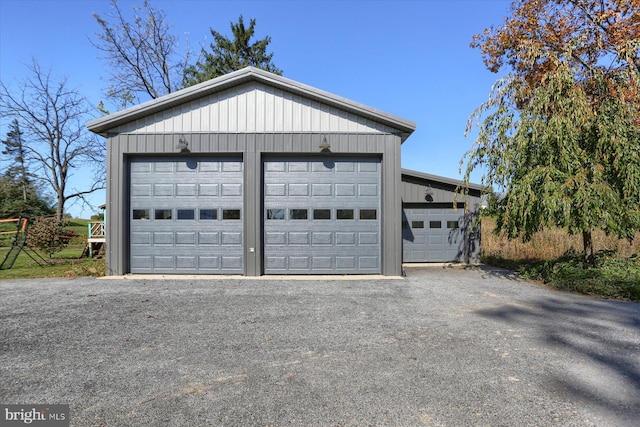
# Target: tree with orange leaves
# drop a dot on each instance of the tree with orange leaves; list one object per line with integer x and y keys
{"x": 560, "y": 134}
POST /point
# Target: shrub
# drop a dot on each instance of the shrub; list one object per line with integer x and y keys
{"x": 613, "y": 277}
{"x": 48, "y": 235}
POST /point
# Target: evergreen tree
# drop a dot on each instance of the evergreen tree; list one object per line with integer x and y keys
{"x": 12, "y": 204}
{"x": 230, "y": 55}
{"x": 18, "y": 192}
{"x": 13, "y": 147}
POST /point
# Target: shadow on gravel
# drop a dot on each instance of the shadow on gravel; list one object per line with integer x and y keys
{"x": 488, "y": 271}
{"x": 590, "y": 334}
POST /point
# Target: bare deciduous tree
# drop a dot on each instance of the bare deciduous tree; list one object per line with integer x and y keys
{"x": 142, "y": 54}
{"x": 52, "y": 117}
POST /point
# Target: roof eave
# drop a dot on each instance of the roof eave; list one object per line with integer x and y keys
{"x": 106, "y": 123}
{"x": 442, "y": 179}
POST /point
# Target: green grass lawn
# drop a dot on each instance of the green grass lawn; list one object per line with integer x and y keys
{"x": 66, "y": 263}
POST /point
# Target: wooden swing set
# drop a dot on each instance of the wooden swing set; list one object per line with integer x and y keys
{"x": 19, "y": 244}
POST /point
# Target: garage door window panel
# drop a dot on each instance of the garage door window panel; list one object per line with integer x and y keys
{"x": 322, "y": 214}
{"x": 344, "y": 213}
{"x": 186, "y": 214}
{"x": 231, "y": 214}
{"x": 208, "y": 214}
{"x": 162, "y": 214}
{"x": 138, "y": 214}
{"x": 277, "y": 214}
{"x": 298, "y": 214}
{"x": 368, "y": 214}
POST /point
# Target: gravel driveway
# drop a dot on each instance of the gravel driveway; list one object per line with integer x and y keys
{"x": 444, "y": 347}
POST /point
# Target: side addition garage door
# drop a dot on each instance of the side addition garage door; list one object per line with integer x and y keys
{"x": 186, "y": 215}
{"x": 432, "y": 234}
{"x": 322, "y": 216}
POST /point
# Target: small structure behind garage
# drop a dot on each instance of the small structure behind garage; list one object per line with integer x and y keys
{"x": 439, "y": 225}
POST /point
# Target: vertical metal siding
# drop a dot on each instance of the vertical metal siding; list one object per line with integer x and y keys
{"x": 252, "y": 147}
{"x": 253, "y": 108}
{"x": 392, "y": 213}
{"x": 252, "y": 217}
{"x": 414, "y": 192}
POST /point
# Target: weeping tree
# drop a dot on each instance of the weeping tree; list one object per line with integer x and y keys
{"x": 560, "y": 134}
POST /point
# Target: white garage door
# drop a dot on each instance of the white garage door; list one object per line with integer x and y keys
{"x": 432, "y": 235}
{"x": 186, "y": 215}
{"x": 322, "y": 216}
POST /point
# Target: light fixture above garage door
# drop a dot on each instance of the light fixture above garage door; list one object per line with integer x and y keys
{"x": 324, "y": 146}
{"x": 182, "y": 145}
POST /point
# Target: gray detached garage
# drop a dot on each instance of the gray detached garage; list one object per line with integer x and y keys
{"x": 252, "y": 173}
{"x": 438, "y": 224}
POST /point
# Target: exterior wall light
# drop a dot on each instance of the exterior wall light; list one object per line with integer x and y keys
{"x": 182, "y": 145}
{"x": 428, "y": 194}
{"x": 324, "y": 145}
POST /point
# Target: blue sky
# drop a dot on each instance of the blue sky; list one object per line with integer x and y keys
{"x": 408, "y": 58}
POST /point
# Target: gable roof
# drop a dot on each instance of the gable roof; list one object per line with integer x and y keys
{"x": 245, "y": 75}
